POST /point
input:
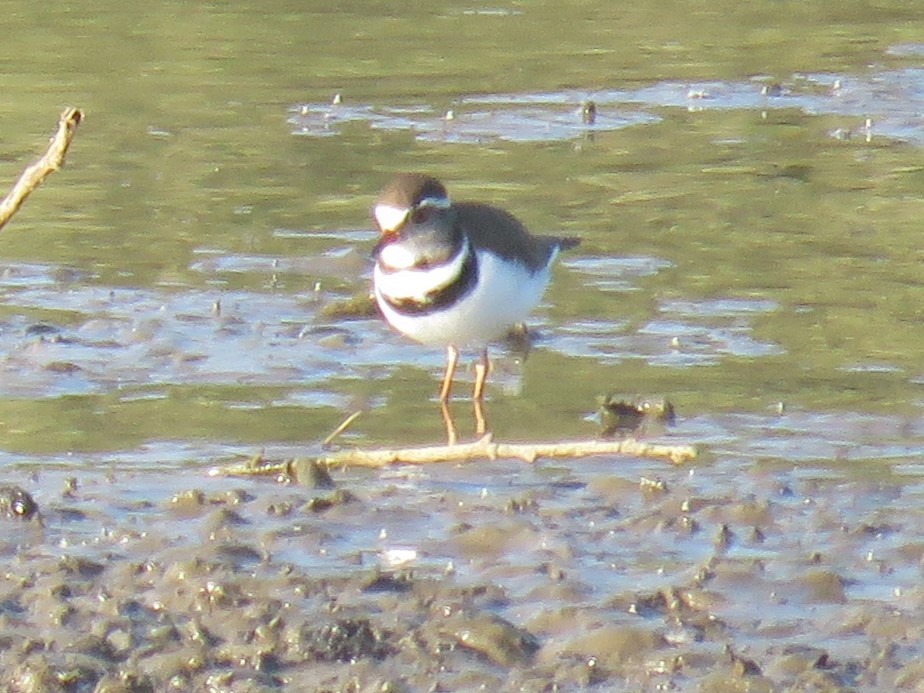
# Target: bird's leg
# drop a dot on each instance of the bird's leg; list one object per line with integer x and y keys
{"x": 452, "y": 436}
{"x": 452, "y": 358}
{"x": 482, "y": 368}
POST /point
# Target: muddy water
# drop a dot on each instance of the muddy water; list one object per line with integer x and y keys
{"x": 749, "y": 199}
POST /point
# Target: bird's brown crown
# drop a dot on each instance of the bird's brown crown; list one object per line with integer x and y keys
{"x": 407, "y": 190}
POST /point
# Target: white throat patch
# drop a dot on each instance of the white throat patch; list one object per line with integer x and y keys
{"x": 396, "y": 257}
{"x": 390, "y": 218}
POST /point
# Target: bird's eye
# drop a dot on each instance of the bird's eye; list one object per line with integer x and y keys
{"x": 420, "y": 215}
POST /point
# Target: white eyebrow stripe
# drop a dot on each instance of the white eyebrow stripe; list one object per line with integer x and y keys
{"x": 390, "y": 218}
{"x": 439, "y": 202}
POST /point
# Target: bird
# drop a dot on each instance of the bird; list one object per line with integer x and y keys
{"x": 455, "y": 274}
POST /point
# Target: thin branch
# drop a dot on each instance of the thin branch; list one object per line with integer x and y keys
{"x": 484, "y": 448}
{"x": 50, "y": 161}
{"x": 344, "y": 425}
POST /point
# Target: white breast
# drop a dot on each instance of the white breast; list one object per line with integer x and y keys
{"x": 414, "y": 284}
{"x": 504, "y": 295}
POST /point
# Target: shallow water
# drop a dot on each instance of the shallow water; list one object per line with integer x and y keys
{"x": 749, "y": 200}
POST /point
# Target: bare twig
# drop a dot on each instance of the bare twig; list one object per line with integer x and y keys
{"x": 344, "y": 425}
{"x": 484, "y": 448}
{"x": 37, "y": 171}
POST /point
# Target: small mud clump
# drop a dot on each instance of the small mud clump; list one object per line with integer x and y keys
{"x": 495, "y": 638}
{"x": 16, "y": 503}
{"x": 346, "y": 640}
{"x": 623, "y": 416}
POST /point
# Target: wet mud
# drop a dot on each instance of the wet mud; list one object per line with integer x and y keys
{"x": 604, "y": 574}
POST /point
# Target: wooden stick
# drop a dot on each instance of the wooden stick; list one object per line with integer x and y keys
{"x": 484, "y": 448}
{"x": 36, "y": 172}
{"x": 344, "y": 425}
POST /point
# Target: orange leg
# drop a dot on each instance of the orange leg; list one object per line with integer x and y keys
{"x": 452, "y": 359}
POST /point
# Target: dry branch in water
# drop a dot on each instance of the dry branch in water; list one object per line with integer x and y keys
{"x": 484, "y": 448}
{"x": 51, "y": 160}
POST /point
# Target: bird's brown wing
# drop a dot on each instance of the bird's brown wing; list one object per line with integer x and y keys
{"x": 481, "y": 222}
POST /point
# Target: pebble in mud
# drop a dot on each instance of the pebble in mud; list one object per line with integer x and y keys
{"x": 310, "y": 474}
{"x": 319, "y": 504}
{"x": 615, "y": 648}
{"x": 622, "y": 415}
{"x": 734, "y": 680}
{"x": 492, "y": 637}
{"x": 345, "y": 640}
{"x": 188, "y": 503}
{"x": 193, "y": 502}
{"x": 797, "y": 663}
{"x": 821, "y": 586}
{"x": 588, "y": 112}
{"x": 40, "y": 672}
{"x": 16, "y": 503}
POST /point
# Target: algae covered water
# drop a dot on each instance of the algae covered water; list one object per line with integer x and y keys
{"x": 748, "y": 194}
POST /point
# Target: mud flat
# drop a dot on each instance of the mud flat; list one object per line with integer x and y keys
{"x": 502, "y": 576}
